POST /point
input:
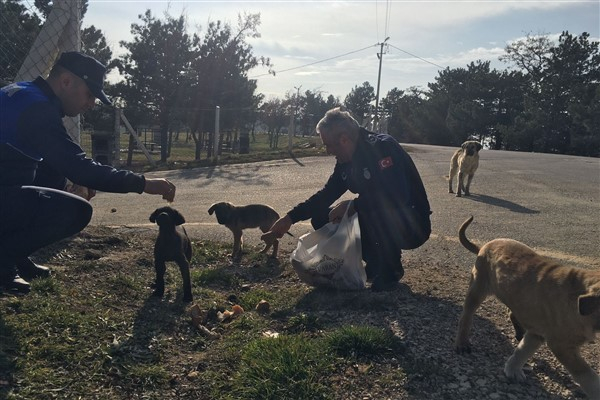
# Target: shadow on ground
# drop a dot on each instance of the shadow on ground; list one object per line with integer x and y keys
{"x": 426, "y": 325}
{"x": 495, "y": 201}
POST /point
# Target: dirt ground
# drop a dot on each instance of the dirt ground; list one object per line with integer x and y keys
{"x": 423, "y": 312}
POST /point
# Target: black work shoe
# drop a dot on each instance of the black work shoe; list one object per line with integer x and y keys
{"x": 384, "y": 284}
{"x": 30, "y": 270}
{"x": 18, "y": 285}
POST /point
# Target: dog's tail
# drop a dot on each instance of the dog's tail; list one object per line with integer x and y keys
{"x": 472, "y": 247}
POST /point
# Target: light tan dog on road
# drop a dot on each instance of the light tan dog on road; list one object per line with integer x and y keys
{"x": 465, "y": 162}
{"x": 548, "y": 302}
{"x": 238, "y": 218}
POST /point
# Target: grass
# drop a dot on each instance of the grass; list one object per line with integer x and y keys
{"x": 93, "y": 331}
{"x": 285, "y": 367}
{"x": 304, "y": 323}
{"x": 362, "y": 341}
{"x": 183, "y": 154}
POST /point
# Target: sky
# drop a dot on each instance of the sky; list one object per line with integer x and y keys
{"x": 330, "y": 47}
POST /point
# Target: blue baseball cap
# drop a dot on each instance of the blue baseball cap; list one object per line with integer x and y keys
{"x": 87, "y": 68}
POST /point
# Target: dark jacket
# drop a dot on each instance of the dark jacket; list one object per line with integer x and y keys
{"x": 32, "y": 136}
{"x": 386, "y": 180}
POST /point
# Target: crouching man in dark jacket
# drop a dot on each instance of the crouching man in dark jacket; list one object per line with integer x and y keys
{"x": 37, "y": 156}
{"x": 392, "y": 205}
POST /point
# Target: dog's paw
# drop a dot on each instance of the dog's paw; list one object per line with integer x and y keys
{"x": 188, "y": 298}
{"x": 512, "y": 372}
{"x": 158, "y": 292}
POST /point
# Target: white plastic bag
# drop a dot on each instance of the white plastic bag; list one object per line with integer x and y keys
{"x": 331, "y": 256}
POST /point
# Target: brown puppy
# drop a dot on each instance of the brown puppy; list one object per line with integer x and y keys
{"x": 238, "y": 218}
{"x": 172, "y": 244}
{"x": 549, "y": 302}
{"x": 464, "y": 161}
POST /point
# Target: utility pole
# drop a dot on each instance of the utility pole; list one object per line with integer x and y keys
{"x": 380, "y": 56}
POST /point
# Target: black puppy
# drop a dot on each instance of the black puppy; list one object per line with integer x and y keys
{"x": 172, "y": 244}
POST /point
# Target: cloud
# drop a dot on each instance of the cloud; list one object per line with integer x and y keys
{"x": 479, "y": 53}
{"x": 300, "y": 58}
{"x": 296, "y": 33}
{"x": 308, "y": 73}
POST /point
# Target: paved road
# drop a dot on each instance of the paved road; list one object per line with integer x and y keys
{"x": 550, "y": 202}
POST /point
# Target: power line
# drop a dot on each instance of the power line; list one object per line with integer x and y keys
{"x": 317, "y": 62}
{"x": 377, "y": 19}
{"x": 387, "y": 17}
{"x": 420, "y": 58}
{"x": 346, "y": 54}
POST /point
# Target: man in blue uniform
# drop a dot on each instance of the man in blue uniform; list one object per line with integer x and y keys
{"x": 392, "y": 206}
{"x": 37, "y": 156}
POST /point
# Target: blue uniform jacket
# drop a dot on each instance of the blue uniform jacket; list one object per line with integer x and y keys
{"x": 35, "y": 148}
{"x": 381, "y": 173}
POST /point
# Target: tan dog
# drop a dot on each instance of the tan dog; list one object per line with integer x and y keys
{"x": 238, "y": 218}
{"x": 465, "y": 161}
{"x": 549, "y": 302}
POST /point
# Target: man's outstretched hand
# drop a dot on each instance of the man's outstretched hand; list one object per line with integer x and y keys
{"x": 160, "y": 186}
{"x": 279, "y": 228}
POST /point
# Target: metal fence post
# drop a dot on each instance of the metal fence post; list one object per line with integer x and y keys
{"x": 216, "y": 141}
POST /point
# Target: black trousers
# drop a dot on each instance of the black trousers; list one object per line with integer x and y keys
{"x": 32, "y": 217}
{"x": 383, "y": 236}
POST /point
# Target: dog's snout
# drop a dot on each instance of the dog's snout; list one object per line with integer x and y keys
{"x": 163, "y": 218}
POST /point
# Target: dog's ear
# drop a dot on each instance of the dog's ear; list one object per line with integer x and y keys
{"x": 153, "y": 216}
{"x": 588, "y": 304}
{"x": 211, "y": 210}
{"x": 177, "y": 217}
{"x": 479, "y": 146}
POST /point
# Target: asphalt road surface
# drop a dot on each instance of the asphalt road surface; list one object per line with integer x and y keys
{"x": 550, "y": 202}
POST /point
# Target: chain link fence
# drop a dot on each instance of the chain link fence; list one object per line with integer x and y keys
{"x": 59, "y": 33}
{"x": 29, "y": 51}
{"x": 16, "y": 36}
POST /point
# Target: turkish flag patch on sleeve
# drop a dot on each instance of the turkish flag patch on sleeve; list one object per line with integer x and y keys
{"x": 385, "y": 163}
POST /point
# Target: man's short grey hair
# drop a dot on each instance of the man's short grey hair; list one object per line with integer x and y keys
{"x": 337, "y": 122}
